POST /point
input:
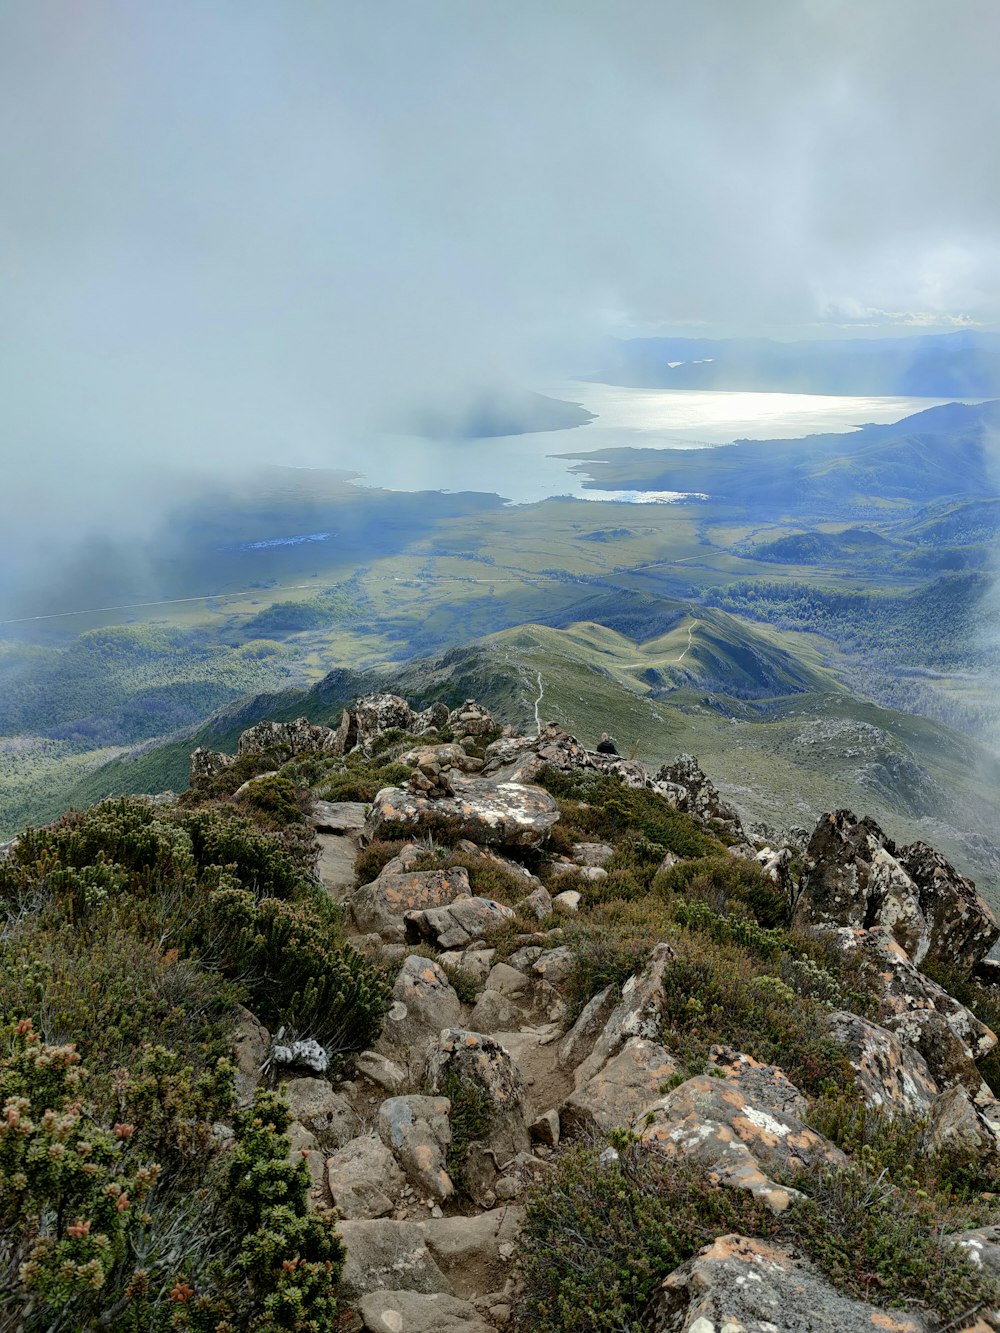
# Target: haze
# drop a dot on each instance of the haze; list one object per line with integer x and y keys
{"x": 244, "y": 232}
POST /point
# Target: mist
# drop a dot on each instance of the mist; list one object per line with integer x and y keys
{"x": 253, "y": 232}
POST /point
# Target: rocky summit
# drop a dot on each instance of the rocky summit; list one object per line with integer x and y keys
{"x": 624, "y": 1064}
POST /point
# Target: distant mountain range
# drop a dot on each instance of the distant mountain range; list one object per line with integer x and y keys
{"x": 965, "y": 364}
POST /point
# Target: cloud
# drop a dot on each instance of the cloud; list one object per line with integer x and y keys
{"x": 253, "y": 231}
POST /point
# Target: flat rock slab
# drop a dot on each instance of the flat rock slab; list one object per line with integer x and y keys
{"x": 740, "y": 1283}
{"x": 339, "y": 816}
{"x": 388, "y": 1256}
{"x": 474, "y": 1253}
{"x": 335, "y": 864}
{"x": 380, "y": 907}
{"x": 502, "y": 814}
{"x": 410, "y": 1312}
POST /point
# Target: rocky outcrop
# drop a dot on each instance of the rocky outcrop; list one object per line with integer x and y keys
{"x": 854, "y": 877}
{"x": 688, "y": 789}
{"x": 381, "y": 907}
{"x": 287, "y": 739}
{"x": 738, "y": 1284}
{"x": 503, "y": 814}
{"x": 890, "y": 1075}
{"x": 204, "y": 765}
{"x": 479, "y": 1061}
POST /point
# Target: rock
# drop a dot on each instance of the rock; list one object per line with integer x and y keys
{"x": 382, "y": 905}
{"x": 245, "y": 788}
{"x": 508, "y": 814}
{"x": 471, "y": 719}
{"x": 364, "y": 1178}
{"x": 458, "y": 925}
{"x": 668, "y": 862}
{"x": 304, "y": 1054}
{"x": 302, "y": 1143}
{"x": 326, "y": 1113}
{"x": 251, "y": 1043}
{"x": 955, "y": 1123}
{"x": 537, "y": 904}
{"x": 620, "y": 1090}
{"x": 917, "y": 1010}
{"x": 567, "y": 902}
{"x": 890, "y": 1075}
{"x": 376, "y": 713}
{"x": 961, "y": 925}
{"x": 740, "y": 1128}
{"x": 474, "y": 1252}
{"x": 554, "y": 965}
{"x": 477, "y": 962}
{"x": 413, "y": 1312}
{"x": 546, "y": 1129}
{"x": 592, "y": 853}
{"x": 775, "y": 864}
{"x": 481, "y": 1062}
{"x": 737, "y": 1283}
{"x": 855, "y": 878}
{"x": 637, "y": 1014}
{"x": 579, "y": 1040}
{"x": 346, "y": 735}
{"x": 982, "y": 1248}
{"x": 286, "y": 739}
{"x": 522, "y": 960}
{"x": 424, "y": 1002}
{"x": 693, "y": 792}
{"x": 204, "y": 765}
{"x": 430, "y": 719}
{"x": 384, "y": 1073}
{"x": 582, "y": 874}
{"x": 338, "y": 816}
{"x": 495, "y": 1012}
{"x": 417, "y": 1131}
{"x": 507, "y": 980}
{"x": 384, "y": 1255}
{"x": 335, "y": 863}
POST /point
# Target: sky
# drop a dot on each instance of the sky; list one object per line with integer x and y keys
{"x": 237, "y": 231}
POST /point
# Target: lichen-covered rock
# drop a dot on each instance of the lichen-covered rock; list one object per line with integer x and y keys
{"x": 376, "y": 713}
{"x": 384, "y": 1255}
{"x": 480, "y": 1061}
{"x": 424, "y": 1002}
{"x": 416, "y": 1130}
{"x": 689, "y": 790}
{"x": 286, "y": 738}
{"x": 510, "y": 814}
{"x": 494, "y": 1012}
{"x": 590, "y": 1023}
{"x": 364, "y": 1178}
{"x": 381, "y": 906}
{"x": 890, "y": 1075}
{"x": 855, "y": 877}
{"x": 637, "y": 1014}
{"x": 744, "y": 1285}
{"x": 962, "y": 927}
{"x": 204, "y": 764}
{"x": 251, "y": 1042}
{"x": 471, "y": 719}
{"x": 621, "y": 1090}
{"x": 346, "y": 817}
{"x": 475, "y": 1252}
{"x": 744, "y": 1128}
{"x": 461, "y": 923}
{"x": 537, "y": 904}
{"x": 917, "y": 1010}
{"x": 955, "y": 1123}
{"x": 592, "y": 853}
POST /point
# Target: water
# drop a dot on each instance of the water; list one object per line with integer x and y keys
{"x": 523, "y": 470}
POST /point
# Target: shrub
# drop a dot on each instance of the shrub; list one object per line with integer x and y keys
{"x": 727, "y": 884}
{"x": 469, "y": 1119}
{"x": 372, "y": 859}
{"x": 275, "y": 798}
{"x": 598, "y": 1239}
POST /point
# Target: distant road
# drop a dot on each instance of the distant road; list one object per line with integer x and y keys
{"x": 169, "y": 601}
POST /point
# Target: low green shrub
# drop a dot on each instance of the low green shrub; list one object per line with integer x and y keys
{"x": 372, "y": 859}
{"x": 361, "y": 779}
{"x": 727, "y": 884}
{"x": 599, "y": 1239}
{"x": 469, "y": 1118}
{"x": 276, "y": 798}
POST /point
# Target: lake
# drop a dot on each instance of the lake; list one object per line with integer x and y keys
{"x": 522, "y": 469}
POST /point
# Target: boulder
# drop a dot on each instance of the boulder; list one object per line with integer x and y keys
{"x": 251, "y": 1042}
{"x": 637, "y": 1014}
{"x": 479, "y": 1061}
{"x": 385, "y": 1255}
{"x": 962, "y": 927}
{"x": 417, "y": 1131}
{"x": 381, "y": 906}
{"x": 380, "y": 1070}
{"x": 619, "y": 1091}
{"x": 286, "y": 739}
{"x": 471, "y": 719}
{"x": 554, "y": 965}
{"x": 424, "y": 1002}
{"x": 579, "y": 1040}
{"x": 495, "y": 1012}
{"x": 744, "y": 1128}
{"x": 474, "y": 1253}
{"x": 326, "y": 1113}
{"x": 567, "y": 902}
{"x": 458, "y": 925}
{"x": 414, "y": 1312}
{"x": 739, "y": 1283}
{"x": 956, "y": 1124}
{"x": 346, "y": 817}
{"x": 537, "y": 904}
{"x": 592, "y": 853}
{"x": 510, "y": 814}
{"x": 688, "y": 789}
{"x": 890, "y": 1075}
{"x": 303, "y": 1144}
{"x": 364, "y": 1178}
{"x": 982, "y": 1248}
{"x": 376, "y": 713}
{"x": 204, "y": 764}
